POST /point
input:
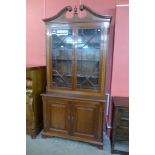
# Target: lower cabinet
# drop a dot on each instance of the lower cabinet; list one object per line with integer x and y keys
{"x": 120, "y": 125}
{"x": 73, "y": 119}
{"x": 85, "y": 121}
{"x": 56, "y": 115}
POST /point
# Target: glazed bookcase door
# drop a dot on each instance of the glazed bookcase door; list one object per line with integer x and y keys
{"x": 76, "y": 57}
{"x": 61, "y": 53}
{"x": 88, "y": 58}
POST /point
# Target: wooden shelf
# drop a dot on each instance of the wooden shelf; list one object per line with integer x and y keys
{"x": 62, "y": 59}
{"x": 84, "y": 76}
{"x": 87, "y": 60}
{"x": 75, "y": 60}
{"x": 79, "y": 76}
{"x": 124, "y": 119}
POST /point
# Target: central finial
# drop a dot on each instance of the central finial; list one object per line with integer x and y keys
{"x": 75, "y": 10}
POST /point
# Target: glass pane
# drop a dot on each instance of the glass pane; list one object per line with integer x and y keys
{"x": 62, "y": 46}
{"x": 88, "y": 55}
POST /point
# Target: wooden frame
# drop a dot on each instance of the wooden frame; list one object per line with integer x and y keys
{"x": 74, "y": 24}
{"x": 85, "y": 106}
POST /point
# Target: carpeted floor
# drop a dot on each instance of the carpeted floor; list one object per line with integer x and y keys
{"x": 60, "y": 146}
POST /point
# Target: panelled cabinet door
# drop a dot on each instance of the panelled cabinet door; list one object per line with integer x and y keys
{"x": 57, "y": 116}
{"x": 85, "y": 120}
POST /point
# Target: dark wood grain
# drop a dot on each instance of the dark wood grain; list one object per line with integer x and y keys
{"x": 84, "y": 122}
{"x": 84, "y": 7}
{"x": 35, "y": 85}
{"x": 64, "y": 10}
{"x": 76, "y": 96}
{"x": 121, "y": 101}
{"x": 120, "y": 122}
